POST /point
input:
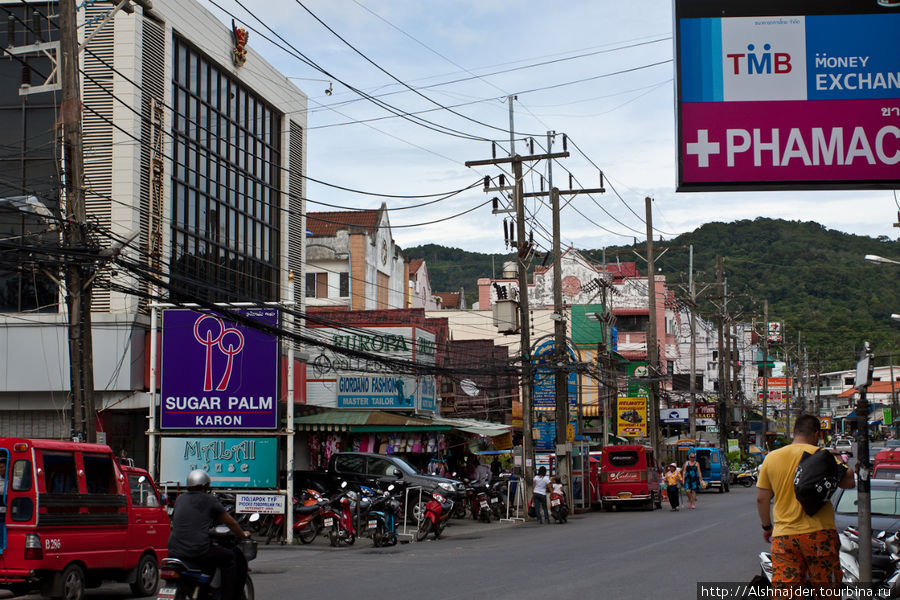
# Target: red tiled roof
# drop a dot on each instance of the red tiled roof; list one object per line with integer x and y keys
{"x": 448, "y": 299}
{"x": 328, "y": 223}
{"x": 414, "y": 265}
{"x": 877, "y": 387}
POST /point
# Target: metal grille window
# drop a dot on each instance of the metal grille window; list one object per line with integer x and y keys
{"x": 225, "y": 184}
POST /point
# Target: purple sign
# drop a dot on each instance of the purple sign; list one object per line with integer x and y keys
{"x": 217, "y": 374}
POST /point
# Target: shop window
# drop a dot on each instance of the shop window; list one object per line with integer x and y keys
{"x": 99, "y": 474}
{"x": 59, "y": 473}
{"x": 21, "y": 476}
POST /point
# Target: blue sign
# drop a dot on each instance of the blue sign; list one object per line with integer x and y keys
{"x": 545, "y": 380}
{"x": 230, "y": 462}
{"x": 376, "y": 391}
{"x": 427, "y": 394}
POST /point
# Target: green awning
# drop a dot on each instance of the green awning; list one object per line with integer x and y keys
{"x": 485, "y": 428}
{"x": 363, "y": 421}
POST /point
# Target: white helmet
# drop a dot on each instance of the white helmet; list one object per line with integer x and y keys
{"x": 198, "y": 478}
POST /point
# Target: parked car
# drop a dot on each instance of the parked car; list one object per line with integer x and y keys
{"x": 380, "y": 470}
{"x": 843, "y": 445}
{"x": 713, "y": 467}
{"x": 71, "y": 517}
{"x": 886, "y": 464}
{"x": 629, "y": 476}
{"x": 885, "y": 502}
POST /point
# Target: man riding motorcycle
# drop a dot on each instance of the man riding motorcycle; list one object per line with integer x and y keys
{"x": 196, "y": 512}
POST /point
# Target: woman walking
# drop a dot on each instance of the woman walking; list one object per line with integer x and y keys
{"x": 692, "y": 478}
{"x": 673, "y": 482}
{"x": 541, "y": 481}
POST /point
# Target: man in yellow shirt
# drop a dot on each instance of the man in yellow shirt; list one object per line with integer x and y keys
{"x": 803, "y": 546}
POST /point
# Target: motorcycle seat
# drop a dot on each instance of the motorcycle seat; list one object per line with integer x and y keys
{"x": 306, "y": 510}
{"x": 185, "y": 567}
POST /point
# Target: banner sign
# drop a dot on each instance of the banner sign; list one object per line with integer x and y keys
{"x": 807, "y": 97}
{"x": 774, "y": 332}
{"x": 675, "y": 415}
{"x": 544, "y": 397}
{"x": 264, "y": 504}
{"x": 218, "y": 374}
{"x": 354, "y": 380}
{"x": 782, "y": 384}
{"x": 631, "y": 417}
{"x": 231, "y": 462}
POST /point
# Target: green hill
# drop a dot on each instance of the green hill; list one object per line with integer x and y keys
{"x": 815, "y": 280}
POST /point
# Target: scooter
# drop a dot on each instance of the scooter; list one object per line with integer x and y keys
{"x": 559, "y": 508}
{"x": 383, "y": 517}
{"x": 437, "y": 512}
{"x": 747, "y": 477}
{"x": 308, "y": 518}
{"x": 338, "y": 520}
{"x": 185, "y": 580}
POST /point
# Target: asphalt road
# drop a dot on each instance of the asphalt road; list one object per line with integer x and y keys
{"x": 628, "y": 554}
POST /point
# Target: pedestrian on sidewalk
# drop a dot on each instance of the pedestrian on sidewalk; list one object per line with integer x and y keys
{"x": 804, "y": 547}
{"x": 541, "y": 481}
{"x": 692, "y": 478}
{"x": 673, "y": 483}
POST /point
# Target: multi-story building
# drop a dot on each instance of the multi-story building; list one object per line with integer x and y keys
{"x": 419, "y": 293}
{"x": 353, "y": 262}
{"x": 196, "y": 146}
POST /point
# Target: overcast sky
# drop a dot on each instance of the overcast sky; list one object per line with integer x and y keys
{"x": 607, "y": 76}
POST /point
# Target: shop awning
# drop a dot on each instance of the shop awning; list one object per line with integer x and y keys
{"x": 485, "y": 428}
{"x": 365, "y": 421}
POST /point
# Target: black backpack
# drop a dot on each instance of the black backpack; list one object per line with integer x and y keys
{"x": 816, "y": 479}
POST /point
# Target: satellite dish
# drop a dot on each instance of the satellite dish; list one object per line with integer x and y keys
{"x": 469, "y": 387}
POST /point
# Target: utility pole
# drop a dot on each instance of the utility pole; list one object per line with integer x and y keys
{"x": 653, "y": 371}
{"x": 894, "y": 414}
{"x": 78, "y": 283}
{"x": 560, "y": 353}
{"x": 765, "y": 408}
{"x": 864, "y": 370}
{"x": 723, "y": 380}
{"x": 693, "y": 384}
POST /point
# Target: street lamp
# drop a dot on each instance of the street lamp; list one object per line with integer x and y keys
{"x": 881, "y": 259}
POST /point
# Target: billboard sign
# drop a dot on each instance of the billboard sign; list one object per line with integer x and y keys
{"x": 218, "y": 374}
{"x": 358, "y": 373}
{"x": 774, "y": 332}
{"x": 231, "y": 462}
{"x": 799, "y": 94}
{"x": 631, "y": 417}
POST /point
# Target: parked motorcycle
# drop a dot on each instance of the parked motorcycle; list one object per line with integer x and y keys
{"x": 437, "y": 512}
{"x": 497, "y": 493}
{"x": 559, "y": 508}
{"x": 746, "y": 476}
{"x": 184, "y": 580}
{"x": 308, "y": 518}
{"x": 383, "y": 517}
{"x": 337, "y": 517}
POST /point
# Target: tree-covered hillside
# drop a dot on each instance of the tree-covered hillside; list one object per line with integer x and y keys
{"x": 815, "y": 280}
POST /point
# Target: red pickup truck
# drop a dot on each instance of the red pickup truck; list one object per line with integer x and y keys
{"x": 71, "y": 517}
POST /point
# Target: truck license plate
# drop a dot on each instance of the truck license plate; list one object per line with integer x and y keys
{"x": 328, "y": 522}
{"x": 167, "y": 593}
{"x": 624, "y": 494}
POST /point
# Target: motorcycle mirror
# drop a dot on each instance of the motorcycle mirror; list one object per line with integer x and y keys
{"x": 881, "y": 535}
{"x": 391, "y": 488}
{"x": 254, "y": 517}
{"x": 343, "y": 484}
{"x": 895, "y": 557}
{"x": 142, "y": 479}
{"x": 222, "y": 529}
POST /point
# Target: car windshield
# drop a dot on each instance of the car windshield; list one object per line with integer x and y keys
{"x": 884, "y": 503}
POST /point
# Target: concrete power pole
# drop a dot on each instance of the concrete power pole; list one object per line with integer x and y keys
{"x": 78, "y": 284}
{"x": 653, "y": 371}
{"x": 693, "y": 383}
{"x": 723, "y": 379}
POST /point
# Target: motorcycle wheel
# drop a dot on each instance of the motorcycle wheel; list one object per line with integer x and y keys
{"x": 308, "y": 533}
{"x": 378, "y": 536}
{"x": 746, "y": 482}
{"x": 350, "y": 539}
{"x": 439, "y": 530}
{"x": 485, "y": 515}
{"x": 423, "y": 530}
{"x": 248, "y": 593}
{"x": 459, "y": 510}
{"x": 333, "y": 536}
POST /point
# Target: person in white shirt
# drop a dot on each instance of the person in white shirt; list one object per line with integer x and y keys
{"x": 541, "y": 481}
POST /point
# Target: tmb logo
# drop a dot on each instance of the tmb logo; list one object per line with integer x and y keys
{"x": 760, "y": 63}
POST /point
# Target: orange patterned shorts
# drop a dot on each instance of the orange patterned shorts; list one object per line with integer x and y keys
{"x": 806, "y": 557}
